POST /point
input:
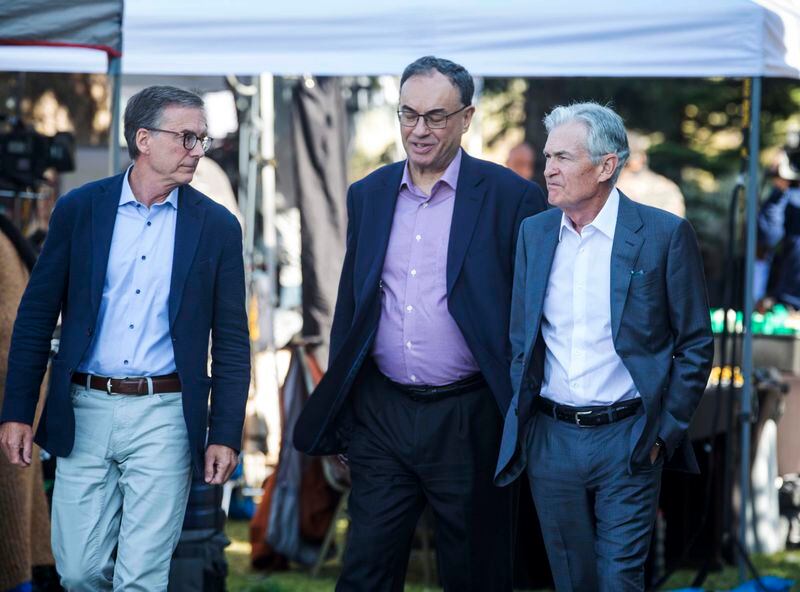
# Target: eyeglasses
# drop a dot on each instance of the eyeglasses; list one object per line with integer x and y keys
{"x": 189, "y": 138}
{"x": 433, "y": 119}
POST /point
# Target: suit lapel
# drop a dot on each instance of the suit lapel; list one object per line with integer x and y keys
{"x": 470, "y": 193}
{"x": 104, "y": 215}
{"x": 378, "y": 216}
{"x": 624, "y": 254}
{"x": 540, "y": 264}
{"x": 188, "y": 227}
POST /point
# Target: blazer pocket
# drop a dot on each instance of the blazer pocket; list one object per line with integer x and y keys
{"x": 207, "y": 263}
{"x": 645, "y": 282}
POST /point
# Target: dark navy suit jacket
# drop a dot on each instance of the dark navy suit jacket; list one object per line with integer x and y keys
{"x": 206, "y": 296}
{"x": 660, "y": 325}
{"x": 491, "y": 203}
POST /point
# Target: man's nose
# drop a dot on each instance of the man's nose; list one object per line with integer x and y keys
{"x": 197, "y": 150}
{"x": 420, "y": 128}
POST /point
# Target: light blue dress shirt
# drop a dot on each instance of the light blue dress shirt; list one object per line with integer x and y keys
{"x": 132, "y": 335}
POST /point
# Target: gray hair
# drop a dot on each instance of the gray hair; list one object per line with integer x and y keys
{"x": 145, "y": 108}
{"x": 457, "y": 74}
{"x": 605, "y": 130}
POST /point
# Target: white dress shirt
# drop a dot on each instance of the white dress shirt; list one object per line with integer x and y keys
{"x": 581, "y": 367}
{"x": 132, "y": 336}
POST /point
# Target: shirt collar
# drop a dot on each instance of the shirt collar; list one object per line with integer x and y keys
{"x": 126, "y": 195}
{"x": 449, "y": 177}
{"x": 605, "y": 221}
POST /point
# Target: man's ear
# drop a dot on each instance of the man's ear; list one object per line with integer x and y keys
{"x": 608, "y": 166}
{"x": 468, "y": 113}
{"x": 143, "y": 139}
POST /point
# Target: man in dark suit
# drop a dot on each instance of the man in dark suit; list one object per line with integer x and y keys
{"x": 612, "y": 348}
{"x": 141, "y": 268}
{"x": 418, "y": 375}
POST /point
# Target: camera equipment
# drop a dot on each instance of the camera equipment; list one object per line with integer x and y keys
{"x": 26, "y": 154}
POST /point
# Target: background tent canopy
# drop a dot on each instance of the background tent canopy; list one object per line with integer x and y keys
{"x": 92, "y": 24}
{"x": 510, "y": 38}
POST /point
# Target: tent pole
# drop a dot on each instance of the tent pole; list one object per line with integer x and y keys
{"x": 747, "y": 352}
{"x": 115, "y": 78}
{"x": 268, "y": 193}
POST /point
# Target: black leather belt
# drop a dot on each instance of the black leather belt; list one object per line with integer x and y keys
{"x": 436, "y": 393}
{"x": 169, "y": 383}
{"x": 589, "y": 416}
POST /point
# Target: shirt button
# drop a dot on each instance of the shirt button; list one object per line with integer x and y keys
{"x": 130, "y": 326}
{"x": 413, "y": 378}
{"x": 138, "y": 291}
{"x": 408, "y": 344}
{"x": 418, "y": 237}
{"x": 409, "y": 308}
{"x": 413, "y": 272}
{"x": 144, "y": 257}
{"x": 125, "y": 362}
{"x": 149, "y": 223}
{"x": 425, "y": 205}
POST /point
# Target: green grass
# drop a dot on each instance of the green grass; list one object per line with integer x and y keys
{"x": 784, "y": 565}
{"x": 242, "y": 579}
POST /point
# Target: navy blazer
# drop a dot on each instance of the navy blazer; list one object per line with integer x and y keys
{"x": 490, "y": 204}
{"x": 206, "y": 296}
{"x": 660, "y": 325}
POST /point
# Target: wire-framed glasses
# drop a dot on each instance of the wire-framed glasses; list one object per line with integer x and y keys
{"x": 433, "y": 119}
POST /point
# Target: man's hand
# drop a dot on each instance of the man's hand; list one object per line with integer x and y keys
{"x": 16, "y": 440}
{"x": 220, "y": 463}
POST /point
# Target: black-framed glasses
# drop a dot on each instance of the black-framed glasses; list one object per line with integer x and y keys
{"x": 190, "y": 139}
{"x": 433, "y": 119}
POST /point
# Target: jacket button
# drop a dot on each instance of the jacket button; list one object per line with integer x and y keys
{"x": 174, "y": 339}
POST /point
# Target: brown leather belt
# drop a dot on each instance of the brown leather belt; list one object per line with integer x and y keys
{"x": 140, "y": 385}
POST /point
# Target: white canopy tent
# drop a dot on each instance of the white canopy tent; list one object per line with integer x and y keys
{"x": 627, "y": 38}
{"x": 730, "y": 38}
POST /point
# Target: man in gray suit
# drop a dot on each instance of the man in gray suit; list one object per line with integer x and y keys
{"x": 612, "y": 347}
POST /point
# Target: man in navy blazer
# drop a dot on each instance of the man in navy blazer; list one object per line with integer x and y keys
{"x": 141, "y": 268}
{"x": 612, "y": 348}
{"x": 418, "y": 377}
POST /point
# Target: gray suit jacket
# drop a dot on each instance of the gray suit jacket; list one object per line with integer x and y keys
{"x": 659, "y": 319}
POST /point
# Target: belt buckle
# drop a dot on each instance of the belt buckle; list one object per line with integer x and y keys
{"x": 108, "y": 387}
{"x": 578, "y": 418}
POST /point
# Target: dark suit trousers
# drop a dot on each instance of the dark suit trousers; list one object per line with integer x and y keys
{"x": 404, "y": 453}
{"x": 596, "y": 518}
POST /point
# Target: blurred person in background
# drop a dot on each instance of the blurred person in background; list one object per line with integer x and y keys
{"x": 645, "y": 186}
{"x": 779, "y": 230}
{"x": 26, "y": 561}
{"x": 522, "y": 160}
